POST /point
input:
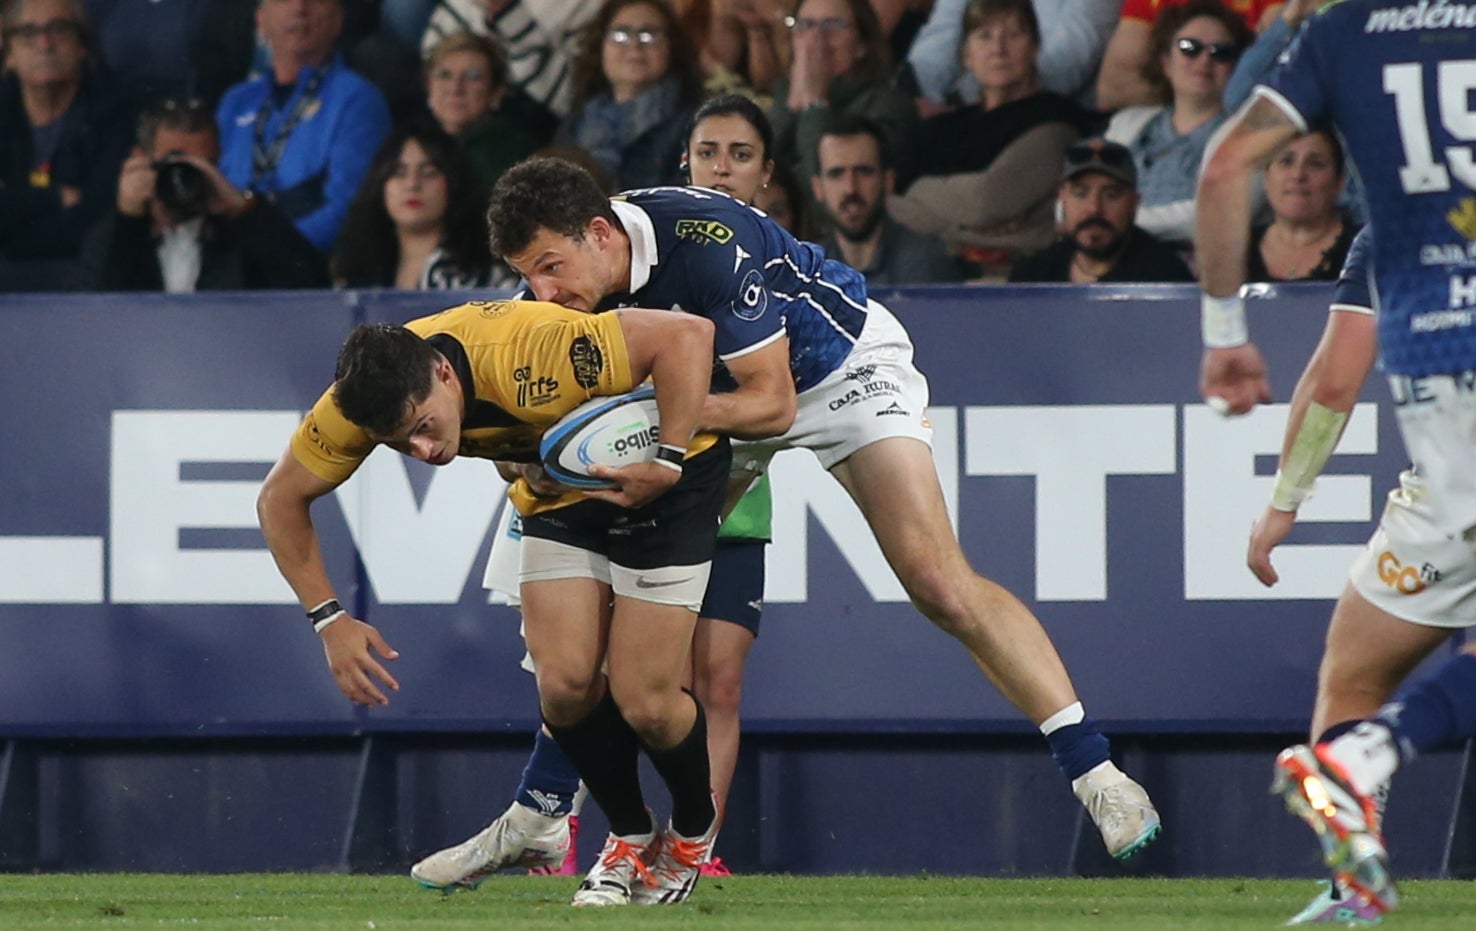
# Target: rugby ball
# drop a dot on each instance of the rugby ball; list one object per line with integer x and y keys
{"x": 619, "y": 430}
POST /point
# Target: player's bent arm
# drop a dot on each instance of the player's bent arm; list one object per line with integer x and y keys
{"x": 283, "y": 508}
{"x": 675, "y": 351}
{"x": 1245, "y": 144}
{"x": 764, "y": 403}
{"x": 1120, "y": 81}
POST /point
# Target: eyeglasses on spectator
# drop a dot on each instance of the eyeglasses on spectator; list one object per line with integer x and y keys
{"x": 54, "y": 29}
{"x": 642, "y": 37}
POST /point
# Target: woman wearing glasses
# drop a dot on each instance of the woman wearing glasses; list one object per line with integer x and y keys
{"x": 1193, "y": 49}
{"x": 636, "y": 84}
{"x": 467, "y": 91}
{"x": 839, "y": 63}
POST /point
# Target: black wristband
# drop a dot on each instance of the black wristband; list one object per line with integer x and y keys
{"x": 324, "y": 611}
{"x": 666, "y": 452}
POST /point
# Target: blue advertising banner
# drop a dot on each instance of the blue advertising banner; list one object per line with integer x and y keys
{"x": 136, "y": 595}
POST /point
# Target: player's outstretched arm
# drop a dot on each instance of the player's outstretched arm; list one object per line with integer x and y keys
{"x": 1324, "y": 397}
{"x": 283, "y": 509}
{"x": 1233, "y": 374}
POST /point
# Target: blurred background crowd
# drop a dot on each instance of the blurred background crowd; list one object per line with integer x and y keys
{"x": 182, "y": 145}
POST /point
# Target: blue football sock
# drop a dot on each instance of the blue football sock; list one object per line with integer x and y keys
{"x": 549, "y": 780}
{"x": 1437, "y": 711}
{"x": 1078, "y": 748}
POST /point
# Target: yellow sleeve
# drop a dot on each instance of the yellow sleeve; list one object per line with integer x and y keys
{"x": 327, "y": 444}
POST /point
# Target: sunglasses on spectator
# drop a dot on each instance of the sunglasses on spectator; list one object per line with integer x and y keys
{"x": 53, "y": 29}
{"x": 1096, "y": 153}
{"x": 1222, "y": 52}
{"x": 178, "y": 105}
{"x": 829, "y": 24}
{"x": 643, "y": 37}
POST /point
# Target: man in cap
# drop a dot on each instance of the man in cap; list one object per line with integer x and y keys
{"x": 1097, "y": 200}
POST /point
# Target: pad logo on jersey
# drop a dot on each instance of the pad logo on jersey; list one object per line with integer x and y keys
{"x": 1406, "y": 580}
{"x": 753, "y": 297}
{"x": 703, "y": 232}
{"x": 492, "y": 309}
{"x": 587, "y": 360}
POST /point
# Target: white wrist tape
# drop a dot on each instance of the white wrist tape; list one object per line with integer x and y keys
{"x": 319, "y": 625}
{"x": 1315, "y": 441}
{"x": 1222, "y": 321}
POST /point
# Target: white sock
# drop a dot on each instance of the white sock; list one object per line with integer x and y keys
{"x": 1071, "y": 714}
{"x": 1368, "y": 756}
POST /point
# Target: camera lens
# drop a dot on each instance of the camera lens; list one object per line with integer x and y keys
{"x": 183, "y": 189}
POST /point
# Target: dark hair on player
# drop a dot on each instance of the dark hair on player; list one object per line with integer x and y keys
{"x": 383, "y": 371}
{"x": 543, "y": 193}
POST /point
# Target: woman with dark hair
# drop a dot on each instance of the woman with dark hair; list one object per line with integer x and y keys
{"x": 1193, "y": 49}
{"x": 986, "y": 174}
{"x": 841, "y": 63}
{"x": 416, "y": 223}
{"x": 636, "y": 84}
{"x": 1309, "y": 237}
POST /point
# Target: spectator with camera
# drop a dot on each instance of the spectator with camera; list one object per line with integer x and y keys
{"x": 180, "y": 226}
{"x": 63, "y": 134}
{"x": 302, "y": 135}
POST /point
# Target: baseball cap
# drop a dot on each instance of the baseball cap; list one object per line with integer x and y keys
{"x": 1109, "y": 158}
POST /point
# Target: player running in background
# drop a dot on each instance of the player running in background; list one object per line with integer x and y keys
{"x": 728, "y": 150}
{"x": 611, "y": 578}
{"x": 796, "y": 333}
{"x": 1370, "y": 648}
{"x": 1396, "y": 80}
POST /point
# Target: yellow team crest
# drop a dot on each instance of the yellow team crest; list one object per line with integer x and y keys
{"x": 1462, "y": 218}
{"x": 705, "y": 232}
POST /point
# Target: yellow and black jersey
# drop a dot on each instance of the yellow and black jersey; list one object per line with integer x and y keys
{"x": 522, "y": 366}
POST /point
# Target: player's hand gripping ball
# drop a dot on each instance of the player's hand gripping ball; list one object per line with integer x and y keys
{"x": 619, "y": 430}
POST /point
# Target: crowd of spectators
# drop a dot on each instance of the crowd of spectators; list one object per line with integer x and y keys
{"x": 181, "y": 145}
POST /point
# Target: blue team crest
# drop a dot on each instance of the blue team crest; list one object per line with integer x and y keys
{"x": 753, "y": 297}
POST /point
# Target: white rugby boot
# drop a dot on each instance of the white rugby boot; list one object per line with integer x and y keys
{"x": 519, "y": 837}
{"x": 1120, "y": 808}
{"x": 622, "y": 866}
{"x": 678, "y": 864}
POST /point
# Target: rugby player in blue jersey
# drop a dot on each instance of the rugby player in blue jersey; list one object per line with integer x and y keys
{"x": 1396, "y": 80}
{"x": 808, "y": 361}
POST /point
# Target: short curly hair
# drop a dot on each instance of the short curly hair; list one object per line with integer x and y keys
{"x": 543, "y": 194}
{"x": 383, "y": 371}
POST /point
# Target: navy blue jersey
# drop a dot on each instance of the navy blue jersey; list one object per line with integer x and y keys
{"x": 1354, "y": 290}
{"x": 1397, "y": 80}
{"x": 705, "y": 253}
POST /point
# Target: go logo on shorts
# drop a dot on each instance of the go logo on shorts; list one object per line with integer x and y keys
{"x": 1406, "y": 580}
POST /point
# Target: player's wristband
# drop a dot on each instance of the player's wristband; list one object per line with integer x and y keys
{"x": 1222, "y": 321}
{"x": 1315, "y": 441}
{"x": 325, "y": 614}
{"x": 670, "y": 456}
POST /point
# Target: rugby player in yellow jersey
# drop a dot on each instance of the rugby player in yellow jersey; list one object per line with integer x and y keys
{"x": 616, "y": 579}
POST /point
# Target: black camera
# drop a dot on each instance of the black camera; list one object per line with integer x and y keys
{"x": 181, "y": 188}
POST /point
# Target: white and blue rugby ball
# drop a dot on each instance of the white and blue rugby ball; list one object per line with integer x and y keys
{"x": 619, "y": 430}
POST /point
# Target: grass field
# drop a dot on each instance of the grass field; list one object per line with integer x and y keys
{"x": 387, "y": 903}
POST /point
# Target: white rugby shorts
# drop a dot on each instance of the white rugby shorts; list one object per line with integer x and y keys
{"x": 876, "y": 394}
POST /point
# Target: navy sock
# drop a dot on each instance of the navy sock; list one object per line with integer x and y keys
{"x": 1336, "y": 731}
{"x": 1439, "y": 710}
{"x": 1079, "y": 748}
{"x": 550, "y": 780}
